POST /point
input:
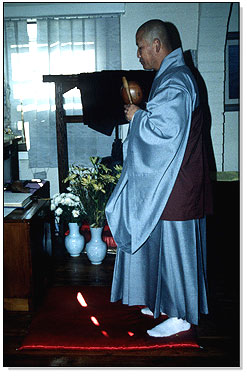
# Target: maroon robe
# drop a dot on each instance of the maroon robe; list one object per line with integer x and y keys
{"x": 191, "y": 196}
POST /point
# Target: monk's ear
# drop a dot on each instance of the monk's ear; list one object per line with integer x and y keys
{"x": 157, "y": 45}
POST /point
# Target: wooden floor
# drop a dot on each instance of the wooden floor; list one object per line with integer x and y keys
{"x": 218, "y": 332}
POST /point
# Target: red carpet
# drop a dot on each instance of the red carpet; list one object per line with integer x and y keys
{"x": 88, "y": 321}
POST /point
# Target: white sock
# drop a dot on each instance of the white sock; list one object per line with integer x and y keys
{"x": 147, "y": 311}
{"x": 169, "y": 327}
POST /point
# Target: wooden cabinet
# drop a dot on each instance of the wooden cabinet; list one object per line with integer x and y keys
{"x": 27, "y": 255}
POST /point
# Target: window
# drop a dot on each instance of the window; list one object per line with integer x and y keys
{"x": 38, "y": 47}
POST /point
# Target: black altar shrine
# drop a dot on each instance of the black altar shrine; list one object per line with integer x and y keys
{"x": 103, "y": 107}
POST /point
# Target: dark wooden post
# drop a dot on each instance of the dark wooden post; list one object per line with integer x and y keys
{"x": 62, "y": 144}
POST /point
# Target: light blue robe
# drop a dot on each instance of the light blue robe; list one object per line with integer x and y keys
{"x": 153, "y": 154}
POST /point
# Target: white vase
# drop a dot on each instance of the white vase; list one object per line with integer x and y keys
{"x": 96, "y": 247}
{"x": 75, "y": 241}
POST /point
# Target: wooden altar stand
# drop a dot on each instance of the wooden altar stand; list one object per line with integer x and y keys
{"x": 108, "y": 84}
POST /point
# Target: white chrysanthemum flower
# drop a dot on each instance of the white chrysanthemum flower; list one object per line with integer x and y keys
{"x": 57, "y": 200}
{"x": 70, "y": 195}
{"x": 68, "y": 202}
{"x": 75, "y": 213}
{"x": 59, "y": 211}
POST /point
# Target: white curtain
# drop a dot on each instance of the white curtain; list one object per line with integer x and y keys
{"x": 57, "y": 46}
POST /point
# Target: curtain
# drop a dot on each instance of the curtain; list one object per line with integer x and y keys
{"x": 57, "y": 46}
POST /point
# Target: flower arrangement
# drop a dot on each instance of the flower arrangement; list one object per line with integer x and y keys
{"x": 93, "y": 186}
{"x": 67, "y": 207}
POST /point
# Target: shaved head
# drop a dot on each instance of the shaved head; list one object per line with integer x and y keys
{"x": 155, "y": 39}
{"x": 155, "y": 29}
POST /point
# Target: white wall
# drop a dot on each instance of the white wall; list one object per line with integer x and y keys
{"x": 211, "y": 43}
{"x": 136, "y": 14}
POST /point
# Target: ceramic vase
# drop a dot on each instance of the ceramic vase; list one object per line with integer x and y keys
{"x": 96, "y": 247}
{"x": 74, "y": 241}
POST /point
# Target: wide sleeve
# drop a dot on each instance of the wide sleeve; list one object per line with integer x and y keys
{"x": 157, "y": 134}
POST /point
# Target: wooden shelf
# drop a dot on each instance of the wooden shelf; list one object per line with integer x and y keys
{"x": 27, "y": 253}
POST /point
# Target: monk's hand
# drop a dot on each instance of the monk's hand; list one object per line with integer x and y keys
{"x": 129, "y": 111}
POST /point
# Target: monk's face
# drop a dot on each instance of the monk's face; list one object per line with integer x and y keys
{"x": 146, "y": 52}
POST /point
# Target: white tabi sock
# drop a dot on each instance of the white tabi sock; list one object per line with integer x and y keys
{"x": 169, "y": 327}
{"x": 147, "y": 311}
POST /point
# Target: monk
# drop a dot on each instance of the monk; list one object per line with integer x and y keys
{"x": 157, "y": 212}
